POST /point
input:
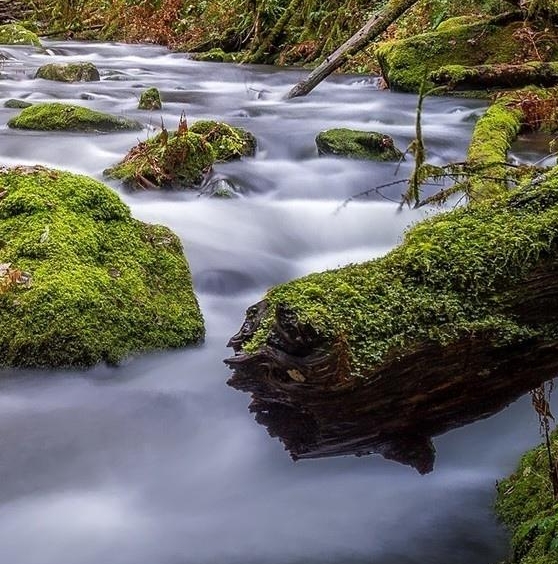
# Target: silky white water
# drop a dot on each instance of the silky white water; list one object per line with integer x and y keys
{"x": 158, "y": 461}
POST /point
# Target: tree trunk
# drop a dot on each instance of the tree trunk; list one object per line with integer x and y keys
{"x": 496, "y": 76}
{"x": 373, "y": 27}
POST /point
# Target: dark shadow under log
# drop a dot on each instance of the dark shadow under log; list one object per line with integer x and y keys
{"x": 486, "y": 337}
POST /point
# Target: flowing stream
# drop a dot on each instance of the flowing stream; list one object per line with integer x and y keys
{"x": 158, "y": 461}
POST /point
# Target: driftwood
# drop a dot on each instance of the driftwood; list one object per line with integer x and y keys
{"x": 497, "y": 76}
{"x": 372, "y": 29}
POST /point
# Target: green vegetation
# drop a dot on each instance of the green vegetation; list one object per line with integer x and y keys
{"x": 368, "y": 145}
{"x": 17, "y": 104}
{"x": 447, "y": 280}
{"x": 405, "y": 63}
{"x": 150, "y": 99}
{"x": 15, "y": 34}
{"x": 179, "y": 159}
{"x": 70, "y": 72}
{"x": 527, "y": 506}
{"x": 81, "y": 281}
{"x": 54, "y": 116}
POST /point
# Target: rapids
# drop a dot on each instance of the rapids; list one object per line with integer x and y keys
{"x": 158, "y": 461}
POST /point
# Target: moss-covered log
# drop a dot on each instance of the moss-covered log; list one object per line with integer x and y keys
{"x": 483, "y": 77}
{"x": 449, "y": 327}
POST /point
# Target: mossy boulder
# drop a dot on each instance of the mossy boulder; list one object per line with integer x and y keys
{"x": 69, "y": 72}
{"x": 405, "y": 63}
{"x": 55, "y": 116}
{"x": 150, "y": 99}
{"x": 15, "y": 34}
{"x": 180, "y": 159}
{"x": 13, "y": 103}
{"x": 81, "y": 281}
{"x": 355, "y": 144}
{"x": 526, "y": 504}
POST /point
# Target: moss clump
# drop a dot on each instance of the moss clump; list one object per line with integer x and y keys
{"x": 445, "y": 282}
{"x": 150, "y": 99}
{"x": 180, "y": 159}
{"x": 66, "y": 117}
{"x": 70, "y": 72}
{"x": 14, "y": 34}
{"x": 227, "y": 141}
{"x": 406, "y": 63}
{"x": 99, "y": 284}
{"x": 216, "y": 55}
{"x": 526, "y": 504}
{"x": 353, "y": 144}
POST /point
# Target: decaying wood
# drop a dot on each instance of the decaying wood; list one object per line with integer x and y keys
{"x": 302, "y": 392}
{"x": 497, "y": 76}
{"x": 372, "y": 29}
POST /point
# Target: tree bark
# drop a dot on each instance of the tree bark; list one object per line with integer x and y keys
{"x": 372, "y": 29}
{"x": 497, "y": 76}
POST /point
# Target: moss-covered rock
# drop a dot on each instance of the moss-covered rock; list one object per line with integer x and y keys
{"x": 15, "y": 34}
{"x": 227, "y": 141}
{"x": 13, "y": 103}
{"x": 406, "y": 63}
{"x": 526, "y": 504}
{"x": 54, "y": 116}
{"x": 216, "y": 55}
{"x": 69, "y": 72}
{"x": 369, "y": 145}
{"x": 180, "y": 159}
{"x": 150, "y": 99}
{"x": 82, "y": 281}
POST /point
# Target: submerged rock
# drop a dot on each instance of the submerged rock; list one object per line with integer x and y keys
{"x": 180, "y": 159}
{"x": 354, "y": 144}
{"x": 150, "y": 99}
{"x": 93, "y": 284}
{"x": 54, "y": 116}
{"x": 17, "y": 104}
{"x": 69, "y": 72}
{"x": 15, "y": 34}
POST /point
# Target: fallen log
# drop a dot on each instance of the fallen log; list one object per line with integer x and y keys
{"x": 450, "y": 327}
{"x": 481, "y": 77}
{"x": 371, "y": 29}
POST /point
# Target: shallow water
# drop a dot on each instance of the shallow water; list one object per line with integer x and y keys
{"x": 158, "y": 461}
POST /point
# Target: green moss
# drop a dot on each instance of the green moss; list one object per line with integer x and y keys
{"x": 103, "y": 285}
{"x": 169, "y": 160}
{"x": 442, "y": 284}
{"x": 180, "y": 159}
{"x": 14, "y": 34}
{"x": 56, "y": 116}
{"x": 216, "y": 55}
{"x": 406, "y": 63}
{"x": 453, "y": 24}
{"x": 368, "y": 145}
{"x": 227, "y": 141}
{"x": 70, "y": 72}
{"x": 150, "y": 99}
{"x": 492, "y": 137}
{"x": 526, "y": 504}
